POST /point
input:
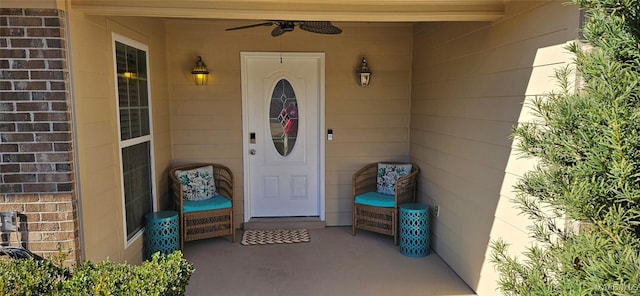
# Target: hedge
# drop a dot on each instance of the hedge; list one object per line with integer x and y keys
{"x": 161, "y": 275}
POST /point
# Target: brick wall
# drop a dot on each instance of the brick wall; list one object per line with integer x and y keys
{"x": 47, "y": 224}
{"x": 36, "y": 168}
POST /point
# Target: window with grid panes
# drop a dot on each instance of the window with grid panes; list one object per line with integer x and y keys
{"x": 135, "y": 133}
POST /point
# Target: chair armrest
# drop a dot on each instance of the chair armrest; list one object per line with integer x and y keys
{"x": 224, "y": 180}
{"x": 365, "y": 179}
{"x": 406, "y": 187}
{"x": 175, "y": 190}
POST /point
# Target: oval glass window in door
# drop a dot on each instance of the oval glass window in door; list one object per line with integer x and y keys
{"x": 283, "y": 117}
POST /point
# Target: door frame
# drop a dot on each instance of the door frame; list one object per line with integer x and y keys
{"x": 246, "y": 56}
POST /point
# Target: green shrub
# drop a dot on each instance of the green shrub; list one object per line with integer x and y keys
{"x": 162, "y": 275}
{"x": 583, "y": 197}
{"x": 30, "y": 277}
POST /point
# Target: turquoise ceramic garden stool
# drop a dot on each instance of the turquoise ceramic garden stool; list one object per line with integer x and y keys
{"x": 162, "y": 232}
{"x": 414, "y": 230}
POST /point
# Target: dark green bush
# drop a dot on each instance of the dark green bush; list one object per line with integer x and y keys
{"x": 162, "y": 275}
{"x": 30, "y": 277}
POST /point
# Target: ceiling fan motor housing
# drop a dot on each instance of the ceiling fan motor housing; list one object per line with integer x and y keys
{"x": 287, "y": 26}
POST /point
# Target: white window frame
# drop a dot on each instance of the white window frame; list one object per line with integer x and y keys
{"x": 133, "y": 141}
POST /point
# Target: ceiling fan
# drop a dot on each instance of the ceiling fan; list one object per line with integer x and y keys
{"x": 320, "y": 27}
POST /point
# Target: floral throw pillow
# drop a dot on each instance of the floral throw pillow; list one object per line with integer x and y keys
{"x": 198, "y": 183}
{"x": 388, "y": 174}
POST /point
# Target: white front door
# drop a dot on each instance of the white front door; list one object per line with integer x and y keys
{"x": 282, "y": 103}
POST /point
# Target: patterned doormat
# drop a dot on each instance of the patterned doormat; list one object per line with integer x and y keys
{"x": 280, "y": 236}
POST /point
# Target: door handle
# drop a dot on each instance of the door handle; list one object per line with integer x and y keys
{"x": 252, "y": 151}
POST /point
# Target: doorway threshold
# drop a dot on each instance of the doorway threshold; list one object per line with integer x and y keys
{"x": 271, "y": 223}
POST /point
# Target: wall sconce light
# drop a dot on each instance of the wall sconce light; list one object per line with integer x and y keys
{"x": 200, "y": 72}
{"x": 364, "y": 73}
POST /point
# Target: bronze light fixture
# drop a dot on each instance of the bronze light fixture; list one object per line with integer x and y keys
{"x": 364, "y": 73}
{"x": 200, "y": 72}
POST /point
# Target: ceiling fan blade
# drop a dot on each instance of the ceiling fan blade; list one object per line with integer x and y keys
{"x": 251, "y": 26}
{"x": 320, "y": 27}
{"x": 277, "y": 31}
{"x": 315, "y": 24}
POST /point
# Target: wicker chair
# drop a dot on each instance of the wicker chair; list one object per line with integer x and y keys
{"x": 380, "y": 216}
{"x": 206, "y": 218}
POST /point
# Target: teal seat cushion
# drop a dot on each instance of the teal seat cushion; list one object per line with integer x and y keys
{"x": 375, "y": 199}
{"x": 215, "y": 203}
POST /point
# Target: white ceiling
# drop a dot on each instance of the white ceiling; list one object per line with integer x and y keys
{"x": 326, "y": 10}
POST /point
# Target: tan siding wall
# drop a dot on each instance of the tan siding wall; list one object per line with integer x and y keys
{"x": 370, "y": 124}
{"x": 97, "y": 134}
{"x": 469, "y": 84}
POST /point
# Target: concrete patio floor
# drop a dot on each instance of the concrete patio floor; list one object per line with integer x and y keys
{"x": 333, "y": 263}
